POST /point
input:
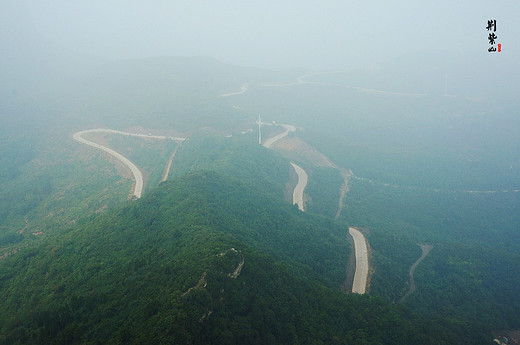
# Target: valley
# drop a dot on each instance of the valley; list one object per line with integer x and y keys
{"x": 82, "y": 264}
{"x": 361, "y": 254}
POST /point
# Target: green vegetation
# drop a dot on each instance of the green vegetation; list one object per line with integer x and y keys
{"x": 324, "y": 190}
{"x": 125, "y": 277}
{"x": 54, "y": 189}
{"x": 470, "y": 284}
{"x": 237, "y": 156}
{"x": 150, "y": 155}
{"x": 14, "y": 152}
{"x": 470, "y": 274}
{"x": 79, "y": 263}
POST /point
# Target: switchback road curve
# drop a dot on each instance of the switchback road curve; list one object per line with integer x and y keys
{"x": 302, "y": 175}
{"x": 138, "y": 176}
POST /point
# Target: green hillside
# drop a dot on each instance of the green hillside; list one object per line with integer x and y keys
{"x": 81, "y": 263}
{"x": 160, "y": 270}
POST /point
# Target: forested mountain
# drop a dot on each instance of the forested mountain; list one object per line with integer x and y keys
{"x": 202, "y": 259}
{"x": 217, "y": 253}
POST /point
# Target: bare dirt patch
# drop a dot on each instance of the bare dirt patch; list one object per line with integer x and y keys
{"x": 507, "y": 337}
{"x": 202, "y": 283}
{"x": 289, "y": 186}
{"x": 344, "y": 189}
{"x": 297, "y": 149}
{"x": 169, "y": 165}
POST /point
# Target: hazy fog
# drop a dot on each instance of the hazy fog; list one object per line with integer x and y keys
{"x": 273, "y": 34}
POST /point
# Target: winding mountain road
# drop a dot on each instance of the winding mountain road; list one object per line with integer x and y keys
{"x": 360, "y": 276}
{"x": 243, "y": 89}
{"x": 269, "y": 142}
{"x": 113, "y": 131}
{"x": 302, "y": 175}
{"x": 425, "y": 248}
{"x": 300, "y": 186}
{"x": 360, "y": 246}
{"x": 359, "y": 284}
{"x": 138, "y": 176}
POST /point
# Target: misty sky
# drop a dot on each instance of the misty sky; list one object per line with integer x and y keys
{"x": 275, "y": 34}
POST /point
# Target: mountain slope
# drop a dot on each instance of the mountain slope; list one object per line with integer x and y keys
{"x": 175, "y": 268}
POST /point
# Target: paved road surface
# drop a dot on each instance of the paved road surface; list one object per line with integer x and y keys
{"x": 113, "y": 131}
{"x": 302, "y": 175}
{"x": 243, "y": 89}
{"x": 300, "y": 186}
{"x": 138, "y": 176}
{"x": 360, "y": 277}
{"x": 271, "y": 141}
